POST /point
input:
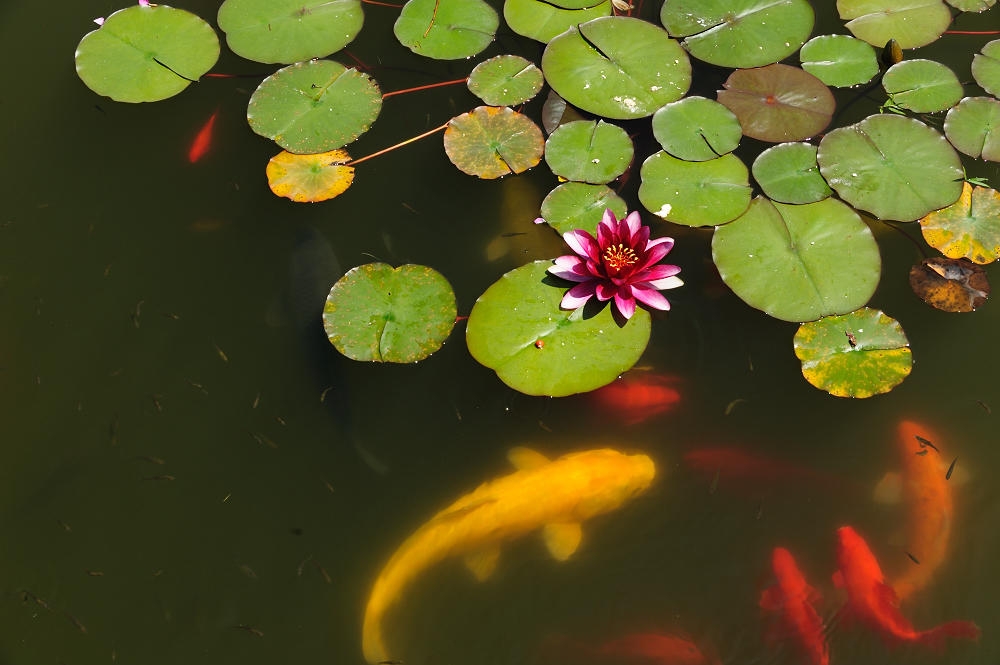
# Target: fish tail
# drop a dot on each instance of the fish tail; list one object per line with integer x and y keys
{"x": 936, "y": 637}
{"x": 371, "y": 633}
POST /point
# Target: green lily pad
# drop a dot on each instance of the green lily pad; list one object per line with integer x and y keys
{"x": 310, "y": 178}
{"x": 617, "y": 67}
{"x": 493, "y": 141}
{"x": 289, "y": 31}
{"x": 860, "y": 354}
{"x": 972, "y": 5}
{"x": 505, "y": 80}
{"x": 577, "y": 205}
{"x": 591, "y": 151}
{"x": 839, "y": 60}
{"x": 739, "y": 33}
{"x": 314, "y": 106}
{"x": 145, "y": 54}
{"x": 789, "y": 173}
{"x": 778, "y": 102}
{"x": 398, "y": 315}
{"x": 973, "y": 127}
{"x": 986, "y": 68}
{"x": 969, "y": 228}
{"x": 911, "y": 23}
{"x": 798, "y": 262}
{"x": 446, "y": 29}
{"x": 893, "y": 167}
{"x": 696, "y": 129}
{"x": 707, "y": 193}
{"x": 922, "y": 86}
{"x": 517, "y": 329}
{"x": 542, "y": 21}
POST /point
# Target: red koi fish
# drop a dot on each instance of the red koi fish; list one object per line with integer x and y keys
{"x": 794, "y": 599}
{"x": 875, "y": 603}
{"x": 734, "y": 464}
{"x": 637, "y": 396}
{"x": 654, "y": 649}
{"x": 203, "y": 140}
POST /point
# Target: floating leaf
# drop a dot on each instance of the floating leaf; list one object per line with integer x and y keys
{"x": 789, "y": 173}
{"x": 542, "y": 21}
{"x": 591, "y": 151}
{"x": 951, "y": 285}
{"x": 986, "y": 68}
{"x": 739, "y": 33}
{"x": 446, "y": 29}
{"x": 970, "y": 227}
{"x": 972, "y": 5}
{"x": 505, "y": 80}
{"x": 922, "y": 86}
{"x": 577, "y": 205}
{"x": 310, "y": 178}
{"x": 839, "y": 60}
{"x": 860, "y": 354}
{"x": 289, "y": 31}
{"x": 398, "y": 315}
{"x": 696, "y": 129}
{"x": 146, "y": 53}
{"x": 911, "y": 23}
{"x": 517, "y": 329}
{"x": 617, "y": 67}
{"x": 778, "y": 102}
{"x": 893, "y": 167}
{"x": 694, "y": 193}
{"x": 973, "y": 127}
{"x": 490, "y": 142}
{"x": 314, "y": 106}
{"x": 798, "y": 262}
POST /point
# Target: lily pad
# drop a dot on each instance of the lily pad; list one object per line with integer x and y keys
{"x": 399, "y": 315}
{"x": 860, "y": 354}
{"x": 969, "y": 228}
{"x": 789, "y": 173}
{"x": 617, "y": 67}
{"x": 314, "y": 106}
{"x": 289, "y": 31}
{"x": 146, "y": 53}
{"x": 778, "y": 102}
{"x": 577, "y": 205}
{"x": 542, "y": 21}
{"x": 490, "y": 142}
{"x": 517, "y": 329}
{"x": 505, "y": 80}
{"x": 972, "y": 5}
{"x": 310, "y": 178}
{"x": 986, "y": 68}
{"x": 891, "y": 166}
{"x": 973, "y": 127}
{"x": 590, "y": 151}
{"x": 922, "y": 86}
{"x": 911, "y": 23}
{"x": 798, "y": 262}
{"x": 739, "y": 33}
{"x": 696, "y": 129}
{"x": 951, "y": 285}
{"x": 707, "y": 193}
{"x": 839, "y": 60}
{"x": 446, "y": 29}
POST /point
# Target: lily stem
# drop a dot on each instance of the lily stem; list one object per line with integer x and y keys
{"x": 398, "y": 145}
{"x": 424, "y": 87}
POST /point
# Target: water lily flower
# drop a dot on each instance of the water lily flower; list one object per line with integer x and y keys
{"x": 620, "y": 264}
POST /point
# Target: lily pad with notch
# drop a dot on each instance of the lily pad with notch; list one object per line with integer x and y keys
{"x": 542, "y": 21}
{"x": 912, "y": 23}
{"x": 591, "y": 151}
{"x": 696, "y": 129}
{"x": 446, "y": 29}
{"x": 310, "y": 178}
{"x": 839, "y": 60}
{"x": 922, "y": 86}
{"x": 973, "y": 127}
{"x": 789, "y": 173}
{"x": 708, "y": 193}
{"x": 969, "y": 228}
{"x": 493, "y": 141}
{"x": 505, "y": 80}
{"x": 986, "y": 68}
{"x": 577, "y": 205}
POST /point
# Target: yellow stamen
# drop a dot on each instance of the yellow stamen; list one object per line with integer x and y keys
{"x": 619, "y": 256}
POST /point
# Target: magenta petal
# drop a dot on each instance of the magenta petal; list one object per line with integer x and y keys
{"x": 608, "y": 218}
{"x": 660, "y": 272}
{"x": 625, "y": 302}
{"x": 582, "y": 243}
{"x": 577, "y": 296}
{"x": 650, "y": 297}
{"x": 652, "y": 256}
{"x": 633, "y": 222}
{"x": 572, "y": 268}
{"x": 665, "y": 283}
{"x": 605, "y": 291}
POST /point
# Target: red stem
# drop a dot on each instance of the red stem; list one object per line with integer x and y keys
{"x": 972, "y": 32}
{"x": 398, "y": 145}
{"x": 424, "y": 87}
{"x": 382, "y": 4}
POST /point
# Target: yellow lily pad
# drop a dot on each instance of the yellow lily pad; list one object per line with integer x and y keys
{"x": 310, "y": 178}
{"x": 969, "y": 228}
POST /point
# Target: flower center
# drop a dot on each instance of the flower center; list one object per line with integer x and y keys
{"x": 618, "y": 257}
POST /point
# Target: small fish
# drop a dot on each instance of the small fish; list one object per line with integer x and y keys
{"x": 794, "y": 602}
{"x": 263, "y": 440}
{"x": 222, "y": 354}
{"x": 203, "y": 140}
{"x": 951, "y": 469}
{"x": 913, "y": 558}
{"x": 156, "y": 403}
{"x": 136, "y": 313}
{"x": 76, "y": 622}
{"x": 248, "y": 571}
{"x": 986, "y": 407}
{"x": 250, "y": 629}
{"x": 322, "y": 571}
{"x": 198, "y": 386}
{"x": 161, "y": 477}
{"x": 94, "y": 573}
{"x": 925, "y": 443}
{"x": 636, "y": 397}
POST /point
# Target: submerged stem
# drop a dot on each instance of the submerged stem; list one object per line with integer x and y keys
{"x": 424, "y": 87}
{"x": 398, "y": 145}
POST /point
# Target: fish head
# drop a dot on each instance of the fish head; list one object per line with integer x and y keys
{"x": 854, "y": 558}
{"x": 916, "y": 439}
{"x": 784, "y": 565}
{"x": 613, "y": 478}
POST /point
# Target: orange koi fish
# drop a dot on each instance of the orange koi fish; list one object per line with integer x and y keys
{"x": 794, "y": 599}
{"x": 203, "y": 140}
{"x": 875, "y": 603}
{"x": 637, "y": 396}
{"x": 654, "y": 649}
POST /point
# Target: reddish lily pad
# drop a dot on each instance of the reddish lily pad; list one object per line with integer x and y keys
{"x": 778, "y": 102}
{"x": 310, "y": 178}
{"x": 969, "y": 228}
{"x": 951, "y": 285}
{"x": 490, "y": 142}
{"x": 973, "y": 127}
{"x": 911, "y": 23}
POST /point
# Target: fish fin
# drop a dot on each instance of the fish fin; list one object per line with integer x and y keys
{"x": 771, "y": 599}
{"x": 935, "y": 637}
{"x": 483, "y": 563}
{"x": 838, "y": 580}
{"x": 889, "y": 489}
{"x": 525, "y": 458}
{"x": 562, "y": 539}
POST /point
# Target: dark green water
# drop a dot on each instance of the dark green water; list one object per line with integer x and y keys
{"x": 173, "y": 489}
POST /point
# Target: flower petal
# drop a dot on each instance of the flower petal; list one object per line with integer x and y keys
{"x": 570, "y": 267}
{"x": 606, "y": 290}
{"x": 578, "y": 296}
{"x": 583, "y": 244}
{"x": 660, "y": 241}
{"x": 650, "y": 297}
{"x": 625, "y": 302}
{"x": 633, "y": 222}
{"x": 652, "y": 256}
{"x": 658, "y": 272}
{"x": 665, "y": 283}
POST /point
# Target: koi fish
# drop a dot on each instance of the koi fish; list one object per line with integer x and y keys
{"x": 637, "y": 396}
{"x": 203, "y": 140}
{"x": 654, "y": 649}
{"x": 555, "y": 496}
{"x": 737, "y": 465}
{"x": 794, "y": 599}
{"x": 875, "y": 603}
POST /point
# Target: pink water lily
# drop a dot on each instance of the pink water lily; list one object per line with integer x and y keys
{"x": 620, "y": 264}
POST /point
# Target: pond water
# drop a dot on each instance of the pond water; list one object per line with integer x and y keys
{"x": 190, "y": 473}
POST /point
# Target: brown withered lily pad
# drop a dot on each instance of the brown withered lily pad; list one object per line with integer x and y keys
{"x": 951, "y": 285}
